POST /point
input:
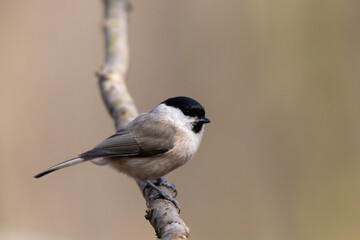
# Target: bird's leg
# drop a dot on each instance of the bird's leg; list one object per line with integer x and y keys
{"x": 163, "y": 195}
{"x": 162, "y": 182}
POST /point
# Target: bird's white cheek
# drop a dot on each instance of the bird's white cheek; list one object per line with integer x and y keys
{"x": 194, "y": 143}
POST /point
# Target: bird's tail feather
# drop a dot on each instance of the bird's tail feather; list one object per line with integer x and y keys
{"x": 65, "y": 164}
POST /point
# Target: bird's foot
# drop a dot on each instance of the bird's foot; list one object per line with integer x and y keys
{"x": 162, "y": 182}
{"x": 163, "y": 195}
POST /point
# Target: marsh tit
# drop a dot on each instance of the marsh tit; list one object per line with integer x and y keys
{"x": 153, "y": 144}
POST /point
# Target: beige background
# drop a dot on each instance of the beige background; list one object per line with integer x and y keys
{"x": 279, "y": 80}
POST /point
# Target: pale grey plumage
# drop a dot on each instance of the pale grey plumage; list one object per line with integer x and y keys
{"x": 143, "y": 137}
{"x": 151, "y": 145}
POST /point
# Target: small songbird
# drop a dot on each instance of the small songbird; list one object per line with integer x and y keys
{"x": 153, "y": 144}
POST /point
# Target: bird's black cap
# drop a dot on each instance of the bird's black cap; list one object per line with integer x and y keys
{"x": 187, "y": 105}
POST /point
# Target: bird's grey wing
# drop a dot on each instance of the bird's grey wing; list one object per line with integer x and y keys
{"x": 120, "y": 144}
{"x": 144, "y": 138}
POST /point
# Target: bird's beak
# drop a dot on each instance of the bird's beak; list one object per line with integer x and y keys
{"x": 205, "y": 120}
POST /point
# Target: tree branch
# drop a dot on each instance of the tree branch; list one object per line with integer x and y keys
{"x": 162, "y": 214}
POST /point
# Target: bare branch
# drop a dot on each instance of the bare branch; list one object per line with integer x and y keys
{"x": 162, "y": 214}
{"x": 112, "y": 75}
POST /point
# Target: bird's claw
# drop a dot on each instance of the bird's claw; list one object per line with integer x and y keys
{"x": 163, "y": 195}
{"x": 162, "y": 182}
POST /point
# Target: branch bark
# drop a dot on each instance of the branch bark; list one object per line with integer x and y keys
{"x": 162, "y": 214}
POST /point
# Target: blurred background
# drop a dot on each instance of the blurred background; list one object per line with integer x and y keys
{"x": 279, "y": 80}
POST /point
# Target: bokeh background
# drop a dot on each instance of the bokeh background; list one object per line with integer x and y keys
{"x": 279, "y": 80}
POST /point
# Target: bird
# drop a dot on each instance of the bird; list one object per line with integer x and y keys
{"x": 151, "y": 145}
